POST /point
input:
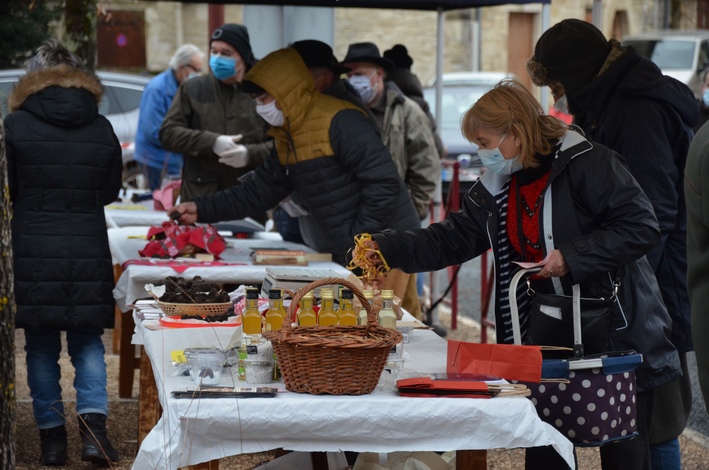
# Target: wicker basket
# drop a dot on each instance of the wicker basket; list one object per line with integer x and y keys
{"x": 204, "y": 310}
{"x": 339, "y": 360}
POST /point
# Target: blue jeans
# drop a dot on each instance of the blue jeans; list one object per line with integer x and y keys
{"x": 154, "y": 177}
{"x": 287, "y": 226}
{"x": 43, "y": 374}
{"x": 666, "y": 455}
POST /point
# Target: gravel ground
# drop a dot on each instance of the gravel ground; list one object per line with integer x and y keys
{"x": 123, "y": 420}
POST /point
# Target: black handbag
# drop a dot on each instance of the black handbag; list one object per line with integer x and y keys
{"x": 551, "y": 319}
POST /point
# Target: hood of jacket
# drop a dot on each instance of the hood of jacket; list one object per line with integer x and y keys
{"x": 62, "y": 95}
{"x": 631, "y": 75}
{"x": 285, "y": 77}
{"x": 305, "y": 134}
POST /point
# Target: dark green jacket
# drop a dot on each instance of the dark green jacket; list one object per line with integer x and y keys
{"x": 205, "y": 108}
{"x": 696, "y": 190}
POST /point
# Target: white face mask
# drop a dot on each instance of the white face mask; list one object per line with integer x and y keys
{"x": 363, "y": 85}
{"x": 494, "y": 161}
{"x": 271, "y": 114}
{"x": 562, "y": 105}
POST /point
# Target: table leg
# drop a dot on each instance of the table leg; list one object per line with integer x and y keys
{"x": 471, "y": 459}
{"x": 319, "y": 460}
{"x": 127, "y": 362}
{"x": 117, "y": 271}
{"x": 148, "y": 404}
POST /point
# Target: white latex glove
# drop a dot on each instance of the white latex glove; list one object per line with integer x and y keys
{"x": 225, "y": 143}
{"x": 238, "y": 158}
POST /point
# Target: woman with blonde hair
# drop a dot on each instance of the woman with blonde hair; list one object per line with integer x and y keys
{"x": 551, "y": 196}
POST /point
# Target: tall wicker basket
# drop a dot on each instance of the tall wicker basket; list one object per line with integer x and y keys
{"x": 338, "y": 360}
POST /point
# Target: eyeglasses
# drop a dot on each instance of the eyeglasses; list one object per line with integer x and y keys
{"x": 193, "y": 68}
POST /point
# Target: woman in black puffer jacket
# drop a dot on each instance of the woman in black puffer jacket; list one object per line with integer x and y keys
{"x": 64, "y": 165}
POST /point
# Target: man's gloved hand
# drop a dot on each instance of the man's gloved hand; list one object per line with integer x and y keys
{"x": 237, "y": 158}
{"x": 225, "y": 143}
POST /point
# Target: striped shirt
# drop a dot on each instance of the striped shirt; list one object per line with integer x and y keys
{"x": 505, "y": 270}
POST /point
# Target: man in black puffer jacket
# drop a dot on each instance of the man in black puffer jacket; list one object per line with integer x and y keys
{"x": 327, "y": 156}
{"x": 64, "y": 165}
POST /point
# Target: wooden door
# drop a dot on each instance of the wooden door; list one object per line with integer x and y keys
{"x": 120, "y": 40}
{"x": 520, "y": 45}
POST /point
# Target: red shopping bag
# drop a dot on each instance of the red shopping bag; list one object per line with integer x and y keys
{"x": 509, "y": 361}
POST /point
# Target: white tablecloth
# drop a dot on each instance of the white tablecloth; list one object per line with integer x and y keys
{"x": 131, "y": 284}
{"x": 193, "y": 431}
{"x": 125, "y": 213}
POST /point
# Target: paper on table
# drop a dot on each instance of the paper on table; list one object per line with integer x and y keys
{"x": 156, "y": 291}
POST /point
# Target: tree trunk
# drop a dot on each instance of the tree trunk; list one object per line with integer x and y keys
{"x": 7, "y": 324}
{"x": 80, "y": 29}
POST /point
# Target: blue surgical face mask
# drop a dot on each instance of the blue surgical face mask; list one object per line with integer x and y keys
{"x": 363, "y": 85}
{"x": 222, "y": 67}
{"x": 705, "y": 97}
{"x": 193, "y": 75}
{"x": 494, "y": 161}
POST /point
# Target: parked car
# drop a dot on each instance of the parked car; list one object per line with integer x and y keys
{"x": 120, "y": 105}
{"x": 680, "y": 54}
{"x": 460, "y": 91}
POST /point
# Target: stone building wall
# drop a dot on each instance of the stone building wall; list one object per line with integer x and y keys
{"x": 415, "y": 29}
{"x": 169, "y": 24}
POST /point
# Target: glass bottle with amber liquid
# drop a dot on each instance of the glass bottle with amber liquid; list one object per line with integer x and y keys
{"x": 346, "y": 315}
{"x": 276, "y": 313}
{"x": 251, "y": 318}
{"x": 362, "y": 316}
{"x": 327, "y": 315}
{"x": 306, "y": 314}
{"x": 387, "y": 316}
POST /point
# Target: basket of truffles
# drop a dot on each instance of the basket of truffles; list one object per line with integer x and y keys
{"x": 194, "y": 298}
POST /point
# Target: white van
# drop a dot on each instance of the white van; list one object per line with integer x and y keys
{"x": 680, "y": 54}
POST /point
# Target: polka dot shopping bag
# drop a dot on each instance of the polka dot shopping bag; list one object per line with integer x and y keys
{"x": 589, "y": 399}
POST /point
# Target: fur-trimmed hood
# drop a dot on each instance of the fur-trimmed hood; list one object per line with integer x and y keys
{"x": 63, "y": 96}
{"x": 63, "y": 76}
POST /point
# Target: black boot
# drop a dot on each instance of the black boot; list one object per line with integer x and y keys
{"x": 96, "y": 446}
{"x": 53, "y": 442}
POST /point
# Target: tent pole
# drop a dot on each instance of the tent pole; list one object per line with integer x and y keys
{"x": 439, "y": 67}
{"x": 597, "y": 14}
{"x": 437, "y": 206}
{"x": 477, "y": 39}
{"x": 546, "y": 20}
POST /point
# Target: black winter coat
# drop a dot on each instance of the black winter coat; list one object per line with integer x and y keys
{"x": 327, "y": 155}
{"x": 64, "y": 165}
{"x": 600, "y": 220}
{"x": 648, "y": 118}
